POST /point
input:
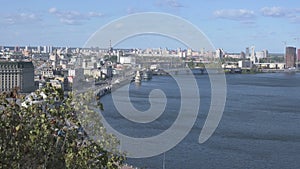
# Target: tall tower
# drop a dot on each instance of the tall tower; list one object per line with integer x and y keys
{"x": 50, "y": 49}
{"x": 219, "y": 53}
{"x": 119, "y": 54}
{"x": 17, "y": 49}
{"x": 252, "y": 57}
{"x": 39, "y": 49}
{"x": 45, "y": 49}
{"x": 110, "y": 50}
{"x": 298, "y": 54}
{"x": 298, "y": 58}
{"x": 290, "y": 57}
{"x": 247, "y": 52}
{"x": 202, "y": 50}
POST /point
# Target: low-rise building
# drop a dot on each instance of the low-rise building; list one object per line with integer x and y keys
{"x": 244, "y": 64}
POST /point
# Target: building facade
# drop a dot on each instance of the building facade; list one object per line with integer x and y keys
{"x": 290, "y": 57}
{"x": 252, "y": 56}
{"x": 16, "y": 74}
{"x": 220, "y": 53}
{"x": 298, "y": 55}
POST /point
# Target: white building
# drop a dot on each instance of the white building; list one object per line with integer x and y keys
{"x": 261, "y": 54}
{"x": 107, "y": 71}
{"x": 76, "y": 72}
{"x": 220, "y": 53}
{"x": 47, "y": 72}
{"x": 253, "y": 57}
{"x": 57, "y": 84}
{"x": 127, "y": 60}
{"x": 244, "y": 64}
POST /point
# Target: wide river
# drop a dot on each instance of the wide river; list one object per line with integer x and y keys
{"x": 260, "y": 126}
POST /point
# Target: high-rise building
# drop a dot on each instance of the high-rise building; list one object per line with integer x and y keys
{"x": 247, "y": 54}
{"x": 202, "y": 51}
{"x": 16, "y": 74}
{"x": 67, "y": 50}
{"x": 253, "y": 57}
{"x": 17, "y": 49}
{"x": 39, "y": 49}
{"x": 189, "y": 52}
{"x": 266, "y": 53}
{"x": 298, "y": 55}
{"x": 243, "y": 55}
{"x": 290, "y": 57}
{"x": 220, "y": 53}
{"x": 50, "y": 49}
{"x": 45, "y": 49}
{"x": 261, "y": 54}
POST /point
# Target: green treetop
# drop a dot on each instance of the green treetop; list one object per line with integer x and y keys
{"x": 48, "y": 130}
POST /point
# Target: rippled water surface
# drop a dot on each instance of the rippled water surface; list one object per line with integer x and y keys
{"x": 260, "y": 127}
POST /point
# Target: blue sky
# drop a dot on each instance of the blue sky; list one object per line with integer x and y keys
{"x": 229, "y": 24}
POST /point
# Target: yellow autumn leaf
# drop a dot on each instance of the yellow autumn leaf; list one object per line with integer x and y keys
{"x": 18, "y": 127}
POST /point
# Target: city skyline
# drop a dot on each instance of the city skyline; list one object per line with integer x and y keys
{"x": 230, "y": 25}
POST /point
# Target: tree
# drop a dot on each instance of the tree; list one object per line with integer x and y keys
{"x": 112, "y": 58}
{"x": 48, "y": 130}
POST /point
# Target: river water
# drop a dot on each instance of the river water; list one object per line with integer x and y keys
{"x": 260, "y": 126}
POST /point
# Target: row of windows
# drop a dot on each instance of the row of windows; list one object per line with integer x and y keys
{"x": 6, "y": 89}
{"x": 9, "y": 78}
{"x": 7, "y": 67}
{"x": 15, "y": 65}
{"x": 10, "y": 82}
{"x": 3, "y": 67}
{"x": 9, "y": 71}
{"x": 9, "y": 75}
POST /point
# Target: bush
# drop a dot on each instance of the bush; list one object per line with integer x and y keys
{"x": 53, "y": 131}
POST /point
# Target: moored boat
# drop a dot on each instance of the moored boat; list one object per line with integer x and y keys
{"x": 147, "y": 74}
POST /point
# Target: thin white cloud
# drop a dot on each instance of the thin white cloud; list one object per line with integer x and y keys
{"x": 174, "y": 4}
{"x": 131, "y": 10}
{"x": 291, "y": 14}
{"x": 52, "y": 10}
{"x": 295, "y": 19}
{"x": 69, "y": 21}
{"x": 274, "y": 12}
{"x": 73, "y": 17}
{"x": 22, "y": 18}
{"x": 169, "y": 3}
{"x": 234, "y": 14}
{"x": 95, "y": 14}
{"x": 248, "y": 23}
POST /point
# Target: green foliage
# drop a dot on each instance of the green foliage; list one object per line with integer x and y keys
{"x": 276, "y": 59}
{"x": 264, "y": 60}
{"x": 191, "y": 64}
{"x": 112, "y": 58}
{"x": 201, "y": 65}
{"x": 55, "y": 132}
{"x": 229, "y": 59}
